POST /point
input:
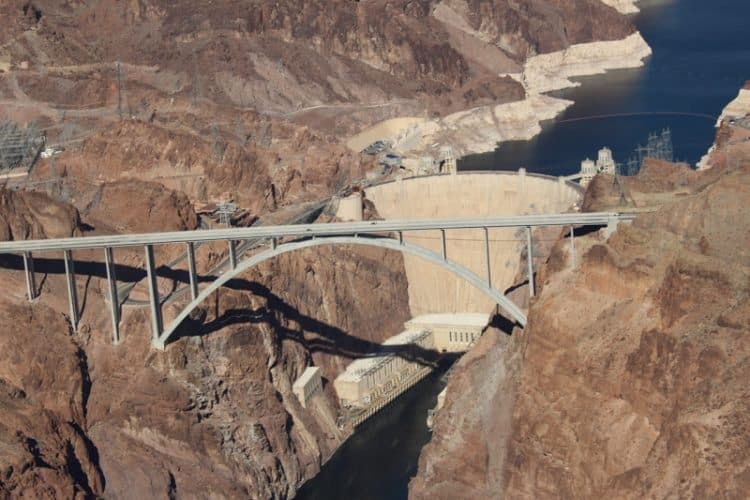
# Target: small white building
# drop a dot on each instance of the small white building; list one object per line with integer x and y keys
{"x": 588, "y": 171}
{"x": 605, "y": 164}
{"x": 307, "y": 385}
{"x": 452, "y": 332}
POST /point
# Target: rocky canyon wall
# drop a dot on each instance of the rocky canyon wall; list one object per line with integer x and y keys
{"x": 628, "y": 379}
{"x": 85, "y": 417}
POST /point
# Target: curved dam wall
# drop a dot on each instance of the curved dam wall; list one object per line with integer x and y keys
{"x": 466, "y": 194}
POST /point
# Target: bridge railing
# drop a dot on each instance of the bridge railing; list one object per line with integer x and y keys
{"x": 276, "y": 236}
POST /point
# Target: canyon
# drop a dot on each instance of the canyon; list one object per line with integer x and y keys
{"x": 161, "y": 109}
{"x": 626, "y": 381}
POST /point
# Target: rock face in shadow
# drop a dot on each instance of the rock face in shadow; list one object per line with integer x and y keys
{"x": 628, "y": 381}
{"x": 533, "y": 27}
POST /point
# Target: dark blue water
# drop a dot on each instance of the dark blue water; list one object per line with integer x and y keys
{"x": 379, "y": 460}
{"x": 701, "y": 58}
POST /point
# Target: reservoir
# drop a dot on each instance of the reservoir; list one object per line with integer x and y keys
{"x": 700, "y": 61}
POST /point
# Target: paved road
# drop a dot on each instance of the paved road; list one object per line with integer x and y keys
{"x": 310, "y": 230}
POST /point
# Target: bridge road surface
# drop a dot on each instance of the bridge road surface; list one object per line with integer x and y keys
{"x": 310, "y": 230}
{"x": 304, "y": 235}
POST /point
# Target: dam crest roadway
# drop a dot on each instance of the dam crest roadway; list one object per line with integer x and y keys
{"x": 283, "y": 239}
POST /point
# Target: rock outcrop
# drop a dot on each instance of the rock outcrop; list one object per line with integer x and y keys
{"x": 162, "y": 105}
{"x": 30, "y": 216}
{"x": 628, "y": 379}
{"x": 44, "y": 390}
{"x": 83, "y": 417}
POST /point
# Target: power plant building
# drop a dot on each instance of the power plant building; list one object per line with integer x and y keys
{"x": 307, "y": 385}
{"x": 367, "y": 379}
{"x": 605, "y": 164}
{"x": 452, "y": 332}
{"x": 588, "y": 171}
{"x": 368, "y": 384}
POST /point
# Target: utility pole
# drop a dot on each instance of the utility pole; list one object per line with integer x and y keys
{"x": 119, "y": 89}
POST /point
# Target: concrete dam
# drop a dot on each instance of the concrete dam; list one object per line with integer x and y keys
{"x": 491, "y": 193}
{"x": 448, "y": 313}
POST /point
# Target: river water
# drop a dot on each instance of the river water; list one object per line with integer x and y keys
{"x": 378, "y": 461}
{"x": 701, "y": 59}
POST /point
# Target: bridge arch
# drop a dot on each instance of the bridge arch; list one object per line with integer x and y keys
{"x": 459, "y": 270}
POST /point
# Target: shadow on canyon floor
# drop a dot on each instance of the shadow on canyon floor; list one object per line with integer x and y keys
{"x": 278, "y": 313}
{"x": 324, "y": 337}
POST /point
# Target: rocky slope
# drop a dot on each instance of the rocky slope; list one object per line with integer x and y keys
{"x": 250, "y": 72}
{"x": 162, "y": 106}
{"x": 90, "y": 418}
{"x": 628, "y": 381}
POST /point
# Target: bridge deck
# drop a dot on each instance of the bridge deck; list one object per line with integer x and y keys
{"x": 304, "y": 236}
{"x": 303, "y": 230}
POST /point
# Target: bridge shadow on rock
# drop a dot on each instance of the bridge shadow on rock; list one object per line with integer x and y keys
{"x": 326, "y": 338}
{"x": 97, "y": 269}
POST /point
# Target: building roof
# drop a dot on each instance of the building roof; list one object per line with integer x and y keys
{"x": 307, "y": 375}
{"x": 360, "y": 367}
{"x": 457, "y": 319}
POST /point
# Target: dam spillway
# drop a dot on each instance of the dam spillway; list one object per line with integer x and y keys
{"x": 434, "y": 290}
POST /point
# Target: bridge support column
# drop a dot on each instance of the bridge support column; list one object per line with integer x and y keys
{"x": 232, "y": 254}
{"x": 612, "y": 223}
{"x": 28, "y": 266}
{"x": 530, "y": 260}
{"x": 572, "y": 247}
{"x": 114, "y": 299}
{"x": 156, "y": 321}
{"x": 487, "y": 255}
{"x": 191, "y": 270}
{"x": 70, "y": 279}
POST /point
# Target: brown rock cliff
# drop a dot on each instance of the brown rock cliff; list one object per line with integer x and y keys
{"x": 628, "y": 379}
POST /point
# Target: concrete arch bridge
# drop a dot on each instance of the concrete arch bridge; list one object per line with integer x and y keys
{"x": 284, "y": 239}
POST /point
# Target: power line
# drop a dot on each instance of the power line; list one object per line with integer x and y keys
{"x": 640, "y": 113}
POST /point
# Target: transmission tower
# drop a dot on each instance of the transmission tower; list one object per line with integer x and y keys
{"x": 226, "y": 210}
